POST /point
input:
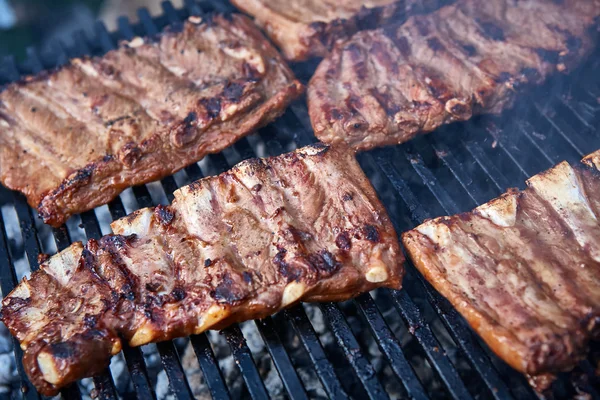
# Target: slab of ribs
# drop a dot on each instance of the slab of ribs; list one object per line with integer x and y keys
{"x": 304, "y": 226}
{"x": 385, "y": 86}
{"x": 74, "y": 138}
{"x": 524, "y": 269}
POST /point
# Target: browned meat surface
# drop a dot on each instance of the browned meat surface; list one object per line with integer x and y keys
{"x": 524, "y": 269}
{"x": 304, "y": 226}
{"x": 75, "y": 138}
{"x": 308, "y": 28}
{"x": 385, "y": 86}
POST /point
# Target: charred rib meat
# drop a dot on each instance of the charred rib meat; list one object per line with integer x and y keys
{"x": 385, "y": 86}
{"x": 524, "y": 269}
{"x": 308, "y": 28}
{"x": 304, "y": 226}
{"x": 73, "y": 139}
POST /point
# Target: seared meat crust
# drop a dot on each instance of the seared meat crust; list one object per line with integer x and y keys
{"x": 73, "y": 139}
{"x": 385, "y": 86}
{"x": 303, "y": 29}
{"x": 304, "y": 226}
{"x": 524, "y": 269}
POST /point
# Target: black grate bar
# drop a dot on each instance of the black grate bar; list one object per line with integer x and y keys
{"x": 137, "y": 372}
{"x": 282, "y": 361}
{"x": 243, "y": 358}
{"x": 105, "y": 387}
{"x": 416, "y": 161}
{"x": 383, "y": 161}
{"x": 421, "y": 330}
{"x": 457, "y": 327}
{"x": 147, "y": 22}
{"x": 33, "y": 60}
{"x": 28, "y": 230}
{"x": 311, "y": 343}
{"x": 462, "y": 176}
{"x": 210, "y": 367}
{"x": 71, "y": 392}
{"x": 125, "y": 29}
{"x": 9, "y": 70}
{"x": 341, "y": 330}
{"x": 573, "y": 138}
{"x": 488, "y": 167}
{"x": 193, "y": 7}
{"x": 172, "y": 365}
{"x": 389, "y": 345}
{"x": 170, "y": 12}
{"x": 219, "y": 6}
{"x": 8, "y": 280}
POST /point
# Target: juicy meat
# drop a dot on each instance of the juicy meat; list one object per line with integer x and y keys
{"x": 524, "y": 269}
{"x": 385, "y": 86}
{"x": 308, "y": 28}
{"x": 73, "y": 139}
{"x": 306, "y": 225}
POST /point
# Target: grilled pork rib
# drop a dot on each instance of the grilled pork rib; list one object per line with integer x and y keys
{"x": 73, "y": 139}
{"x": 306, "y": 226}
{"x": 385, "y": 86}
{"x": 308, "y": 28}
{"x": 524, "y": 269}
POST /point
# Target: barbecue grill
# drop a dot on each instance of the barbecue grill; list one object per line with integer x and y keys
{"x": 409, "y": 343}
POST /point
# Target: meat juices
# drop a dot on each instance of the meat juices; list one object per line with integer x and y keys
{"x": 524, "y": 269}
{"x": 73, "y": 139}
{"x": 303, "y": 226}
{"x": 385, "y": 86}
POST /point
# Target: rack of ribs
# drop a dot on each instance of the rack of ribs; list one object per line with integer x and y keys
{"x": 524, "y": 269}
{"x": 304, "y": 29}
{"x": 303, "y": 226}
{"x": 385, "y": 86}
{"x": 74, "y": 138}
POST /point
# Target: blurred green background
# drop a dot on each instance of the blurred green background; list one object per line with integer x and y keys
{"x": 40, "y": 23}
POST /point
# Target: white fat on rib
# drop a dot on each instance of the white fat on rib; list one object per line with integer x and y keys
{"x": 436, "y": 231}
{"x": 63, "y": 265}
{"x": 562, "y": 188}
{"x": 137, "y": 223}
{"x": 501, "y": 211}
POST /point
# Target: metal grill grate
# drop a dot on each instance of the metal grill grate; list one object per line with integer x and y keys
{"x": 411, "y": 340}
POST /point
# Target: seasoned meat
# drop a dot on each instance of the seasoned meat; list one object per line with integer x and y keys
{"x": 524, "y": 269}
{"x": 387, "y": 85}
{"x": 304, "y": 226}
{"x": 73, "y": 139}
{"x": 308, "y": 28}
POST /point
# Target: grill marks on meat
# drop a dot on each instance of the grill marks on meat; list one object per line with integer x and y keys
{"x": 464, "y": 59}
{"x": 75, "y": 138}
{"x": 303, "y": 29}
{"x": 524, "y": 269}
{"x": 302, "y": 226}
